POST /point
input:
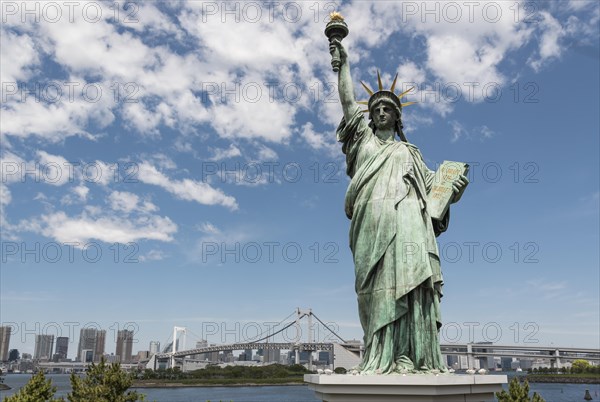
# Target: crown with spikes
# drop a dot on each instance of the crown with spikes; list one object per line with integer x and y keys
{"x": 388, "y": 95}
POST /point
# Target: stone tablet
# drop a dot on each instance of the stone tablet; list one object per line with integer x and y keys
{"x": 441, "y": 193}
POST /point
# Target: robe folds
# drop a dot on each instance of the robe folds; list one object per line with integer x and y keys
{"x": 392, "y": 238}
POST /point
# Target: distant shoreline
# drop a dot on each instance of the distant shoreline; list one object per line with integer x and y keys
{"x": 182, "y": 385}
{"x": 562, "y": 379}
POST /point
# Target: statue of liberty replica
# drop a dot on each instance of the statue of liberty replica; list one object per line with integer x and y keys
{"x": 392, "y": 230}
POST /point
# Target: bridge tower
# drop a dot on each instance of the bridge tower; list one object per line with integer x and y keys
{"x": 174, "y": 348}
{"x": 299, "y": 315}
{"x": 555, "y": 362}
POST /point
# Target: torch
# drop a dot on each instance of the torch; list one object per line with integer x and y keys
{"x": 336, "y": 28}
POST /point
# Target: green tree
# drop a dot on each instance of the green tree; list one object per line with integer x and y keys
{"x": 103, "y": 383}
{"x": 37, "y": 389}
{"x": 13, "y": 355}
{"x": 580, "y": 366}
{"x": 148, "y": 374}
{"x": 518, "y": 393}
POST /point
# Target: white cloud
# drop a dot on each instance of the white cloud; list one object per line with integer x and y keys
{"x": 486, "y": 132}
{"x": 469, "y": 49}
{"x": 186, "y": 189}
{"x": 476, "y": 69}
{"x": 414, "y": 121}
{"x": 181, "y": 145}
{"x": 271, "y": 121}
{"x": 56, "y": 170}
{"x": 266, "y": 154}
{"x": 120, "y": 57}
{"x": 57, "y": 110}
{"x": 162, "y": 161}
{"x": 459, "y": 131}
{"x": 319, "y": 141}
{"x": 5, "y": 196}
{"x": 147, "y": 206}
{"x": 578, "y": 5}
{"x": 234, "y": 43}
{"x": 123, "y": 201}
{"x": 145, "y": 16}
{"x": 109, "y": 229}
{"x": 102, "y": 173}
{"x": 363, "y": 14}
{"x": 18, "y": 56}
{"x": 220, "y": 154}
{"x": 211, "y": 234}
{"x": 209, "y": 228}
{"x": 141, "y": 118}
{"x": 167, "y": 85}
{"x": 549, "y": 46}
{"x": 409, "y": 72}
{"x": 12, "y": 168}
{"x": 5, "y": 199}
{"x": 153, "y": 255}
{"x": 81, "y": 191}
{"x": 228, "y": 237}
{"x": 77, "y": 194}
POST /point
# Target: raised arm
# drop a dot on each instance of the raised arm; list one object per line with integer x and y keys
{"x": 345, "y": 87}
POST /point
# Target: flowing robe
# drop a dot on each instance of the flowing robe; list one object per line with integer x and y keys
{"x": 392, "y": 238}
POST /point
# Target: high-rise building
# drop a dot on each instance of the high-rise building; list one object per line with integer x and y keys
{"x": 141, "y": 356}
{"x": 91, "y": 339}
{"x": 213, "y": 356}
{"x": 248, "y": 355}
{"x": 303, "y": 356}
{"x": 245, "y": 356}
{"x": 486, "y": 362}
{"x": 4, "y": 341}
{"x": 124, "y": 345}
{"x": 271, "y": 355}
{"x": 200, "y": 345}
{"x": 100, "y": 344}
{"x": 43, "y": 347}
{"x": 154, "y": 347}
{"x": 526, "y": 364}
{"x": 87, "y": 355}
{"x": 87, "y": 341}
{"x": 506, "y": 363}
{"x": 62, "y": 347}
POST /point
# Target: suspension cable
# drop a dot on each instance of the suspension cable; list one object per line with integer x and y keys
{"x": 330, "y": 330}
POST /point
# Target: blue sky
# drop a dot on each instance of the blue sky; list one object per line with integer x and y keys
{"x": 174, "y": 163}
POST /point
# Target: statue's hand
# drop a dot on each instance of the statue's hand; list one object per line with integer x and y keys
{"x": 336, "y": 44}
{"x": 458, "y": 187}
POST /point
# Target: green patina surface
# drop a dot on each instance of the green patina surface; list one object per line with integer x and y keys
{"x": 392, "y": 236}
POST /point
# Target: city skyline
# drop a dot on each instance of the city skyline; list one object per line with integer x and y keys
{"x": 94, "y": 339}
{"x": 175, "y": 164}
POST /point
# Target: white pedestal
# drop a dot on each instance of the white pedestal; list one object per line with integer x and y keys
{"x": 405, "y": 388}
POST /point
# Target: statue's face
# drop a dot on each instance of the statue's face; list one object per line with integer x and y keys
{"x": 384, "y": 116}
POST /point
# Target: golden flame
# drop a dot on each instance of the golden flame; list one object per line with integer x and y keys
{"x": 335, "y": 16}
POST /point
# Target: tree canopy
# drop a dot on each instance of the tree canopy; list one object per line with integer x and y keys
{"x": 101, "y": 383}
{"x": 518, "y": 393}
{"x": 37, "y": 389}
